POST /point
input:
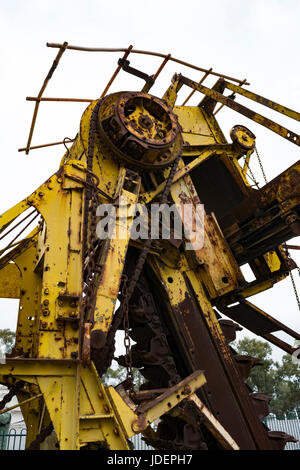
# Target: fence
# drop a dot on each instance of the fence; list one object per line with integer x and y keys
{"x": 13, "y": 440}
{"x": 16, "y": 439}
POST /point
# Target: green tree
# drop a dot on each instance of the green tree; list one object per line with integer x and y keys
{"x": 280, "y": 381}
{"x": 114, "y": 375}
{"x": 7, "y": 339}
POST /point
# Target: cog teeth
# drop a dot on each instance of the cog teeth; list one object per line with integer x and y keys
{"x": 245, "y": 364}
{"x": 229, "y": 329}
{"x": 279, "y": 439}
{"x": 261, "y": 404}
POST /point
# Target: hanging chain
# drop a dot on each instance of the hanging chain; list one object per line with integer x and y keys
{"x": 295, "y": 288}
{"x": 89, "y": 230}
{"x": 292, "y": 277}
{"x": 252, "y": 177}
{"x": 261, "y": 165}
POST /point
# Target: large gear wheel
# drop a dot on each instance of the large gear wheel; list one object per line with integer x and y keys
{"x": 139, "y": 129}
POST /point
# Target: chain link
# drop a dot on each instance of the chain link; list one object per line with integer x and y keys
{"x": 261, "y": 165}
{"x": 90, "y": 240}
{"x": 292, "y": 277}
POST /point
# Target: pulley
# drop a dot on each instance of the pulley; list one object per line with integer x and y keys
{"x": 243, "y": 137}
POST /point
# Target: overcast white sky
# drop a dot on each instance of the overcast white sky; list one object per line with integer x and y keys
{"x": 257, "y": 40}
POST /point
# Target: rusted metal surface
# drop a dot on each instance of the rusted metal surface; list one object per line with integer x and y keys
{"x": 279, "y": 439}
{"x": 264, "y": 101}
{"x": 75, "y": 100}
{"x": 256, "y": 117}
{"x": 169, "y": 294}
{"x": 260, "y": 323}
{"x": 193, "y": 91}
{"x": 266, "y": 218}
{"x": 213, "y": 425}
{"x": 245, "y": 364}
{"x": 147, "y": 128}
{"x": 223, "y": 381}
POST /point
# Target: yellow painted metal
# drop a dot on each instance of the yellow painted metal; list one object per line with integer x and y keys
{"x": 10, "y": 282}
{"x": 260, "y": 99}
{"x": 21, "y": 404}
{"x": 113, "y": 257}
{"x": 213, "y": 259}
{"x": 195, "y": 129}
{"x": 256, "y": 117}
{"x": 167, "y": 401}
{"x": 273, "y": 261}
{"x": 44, "y": 270}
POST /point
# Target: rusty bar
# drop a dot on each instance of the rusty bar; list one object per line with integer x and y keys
{"x": 220, "y": 107}
{"x": 46, "y": 145}
{"x": 239, "y": 108}
{"x": 193, "y": 91}
{"x": 21, "y": 404}
{"x": 127, "y": 52}
{"x": 279, "y": 343}
{"x": 264, "y": 101}
{"x": 214, "y": 426}
{"x": 292, "y": 247}
{"x": 164, "y": 62}
{"x": 48, "y": 77}
{"x": 147, "y": 87}
{"x": 75, "y": 100}
{"x": 137, "y": 51}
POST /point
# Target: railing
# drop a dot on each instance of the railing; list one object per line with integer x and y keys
{"x": 13, "y": 440}
{"x": 16, "y": 439}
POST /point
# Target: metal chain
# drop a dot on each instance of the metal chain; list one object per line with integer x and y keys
{"x": 45, "y": 432}
{"x": 90, "y": 207}
{"x": 292, "y": 277}
{"x": 252, "y": 176}
{"x": 12, "y": 392}
{"x": 260, "y": 164}
{"x": 295, "y": 288}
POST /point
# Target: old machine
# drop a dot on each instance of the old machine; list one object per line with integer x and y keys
{"x": 178, "y": 302}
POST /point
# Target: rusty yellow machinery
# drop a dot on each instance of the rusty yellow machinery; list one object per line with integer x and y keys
{"x": 80, "y": 277}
